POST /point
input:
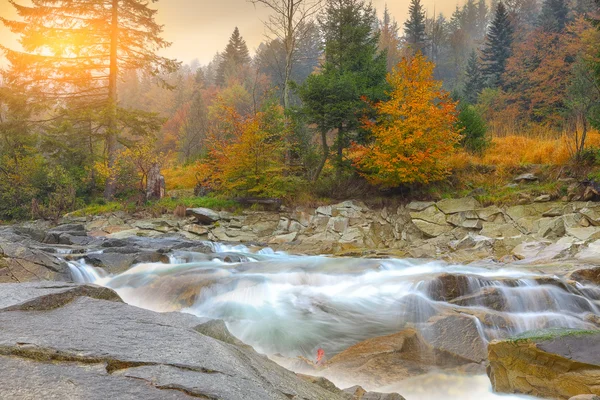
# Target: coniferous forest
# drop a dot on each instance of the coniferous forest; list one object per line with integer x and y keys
{"x": 341, "y": 101}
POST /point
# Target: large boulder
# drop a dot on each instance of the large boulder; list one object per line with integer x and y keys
{"x": 548, "y": 364}
{"x": 385, "y": 360}
{"x": 21, "y": 262}
{"x": 110, "y": 348}
{"x": 204, "y": 216}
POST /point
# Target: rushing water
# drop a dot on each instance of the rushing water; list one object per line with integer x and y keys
{"x": 293, "y": 305}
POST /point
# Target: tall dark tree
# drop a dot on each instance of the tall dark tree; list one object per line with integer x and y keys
{"x": 474, "y": 80}
{"x": 497, "y": 48}
{"x": 554, "y": 16}
{"x": 76, "y": 51}
{"x": 415, "y": 28}
{"x": 389, "y": 39}
{"x": 234, "y": 58}
{"x": 353, "y": 69}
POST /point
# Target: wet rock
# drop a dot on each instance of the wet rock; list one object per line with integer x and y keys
{"x": 556, "y": 364}
{"x": 453, "y": 206}
{"x": 489, "y": 297}
{"x": 358, "y": 393}
{"x": 457, "y": 336}
{"x": 447, "y": 287}
{"x": 388, "y": 359}
{"x": 204, "y": 216}
{"x": 586, "y": 275}
{"x": 153, "y": 352}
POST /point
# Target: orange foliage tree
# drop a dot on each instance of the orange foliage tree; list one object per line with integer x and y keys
{"x": 415, "y": 131}
{"x": 247, "y": 157}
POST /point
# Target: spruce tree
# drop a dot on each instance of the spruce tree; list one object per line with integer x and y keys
{"x": 414, "y": 27}
{"x": 554, "y": 16}
{"x": 497, "y": 48}
{"x": 75, "y": 52}
{"x": 353, "y": 69}
{"x": 235, "y": 57}
{"x": 474, "y": 80}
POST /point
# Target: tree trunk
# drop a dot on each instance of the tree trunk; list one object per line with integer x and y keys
{"x": 340, "y": 153}
{"x": 111, "y": 132}
{"x": 323, "y": 158}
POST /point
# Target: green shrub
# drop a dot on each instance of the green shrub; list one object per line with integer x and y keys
{"x": 474, "y": 130}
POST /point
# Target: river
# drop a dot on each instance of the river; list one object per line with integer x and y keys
{"x": 287, "y": 306}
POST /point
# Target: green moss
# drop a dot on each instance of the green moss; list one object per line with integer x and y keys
{"x": 549, "y": 334}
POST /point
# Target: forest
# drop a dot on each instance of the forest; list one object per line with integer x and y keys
{"x": 343, "y": 101}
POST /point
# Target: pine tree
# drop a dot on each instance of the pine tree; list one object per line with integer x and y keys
{"x": 235, "y": 56}
{"x": 76, "y": 51}
{"x": 414, "y": 27}
{"x": 474, "y": 82}
{"x": 353, "y": 70}
{"x": 389, "y": 41}
{"x": 497, "y": 48}
{"x": 554, "y": 16}
{"x": 482, "y": 18}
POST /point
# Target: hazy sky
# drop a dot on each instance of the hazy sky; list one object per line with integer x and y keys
{"x": 200, "y": 28}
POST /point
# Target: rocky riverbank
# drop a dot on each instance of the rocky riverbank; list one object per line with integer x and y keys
{"x": 456, "y": 230}
{"x": 447, "y": 318}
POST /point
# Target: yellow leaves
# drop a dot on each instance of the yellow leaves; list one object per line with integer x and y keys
{"x": 415, "y": 133}
{"x": 252, "y": 159}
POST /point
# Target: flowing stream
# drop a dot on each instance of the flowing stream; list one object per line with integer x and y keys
{"x": 291, "y": 306}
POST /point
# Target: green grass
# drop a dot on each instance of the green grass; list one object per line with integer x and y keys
{"x": 166, "y": 204}
{"x": 549, "y": 334}
{"x": 214, "y": 203}
{"x": 99, "y": 209}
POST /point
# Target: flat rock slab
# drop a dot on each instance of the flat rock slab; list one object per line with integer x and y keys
{"x": 48, "y": 295}
{"x": 86, "y": 337}
{"x": 22, "y": 378}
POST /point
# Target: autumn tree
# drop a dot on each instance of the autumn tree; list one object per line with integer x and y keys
{"x": 235, "y": 57}
{"x": 289, "y": 23}
{"x": 75, "y": 52}
{"x": 415, "y": 131}
{"x": 497, "y": 47}
{"x": 414, "y": 27}
{"x": 252, "y": 162}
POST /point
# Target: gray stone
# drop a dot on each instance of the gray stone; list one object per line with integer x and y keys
{"x": 529, "y": 177}
{"x": 543, "y": 198}
{"x": 48, "y": 295}
{"x": 419, "y": 205}
{"x": 204, "y": 216}
{"x": 453, "y": 206}
{"x": 431, "y": 229}
{"x": 155, "y": 350}
{"x": 20, "y": 262}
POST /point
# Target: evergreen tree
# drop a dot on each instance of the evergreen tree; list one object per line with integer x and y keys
{"x": 389, "y": 41}
{"x": 234, "y": 58}
{"x": 482, "y": 18}
{"x": 474, "y": 82}
{"x": 76, "y": 52}
{"x": 554, "y": 16}
{"x": 497, "y": 48}
{"x": 414, "y": 27}
{"x": 353, "y": 69}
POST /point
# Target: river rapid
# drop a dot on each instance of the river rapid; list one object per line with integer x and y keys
{"x": 287, "y": 306}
